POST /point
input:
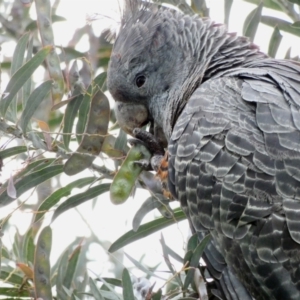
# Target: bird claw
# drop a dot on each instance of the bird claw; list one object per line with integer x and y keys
{"x": 149, "y": 141}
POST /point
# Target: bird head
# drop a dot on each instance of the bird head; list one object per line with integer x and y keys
{"x": 145, "y": 65}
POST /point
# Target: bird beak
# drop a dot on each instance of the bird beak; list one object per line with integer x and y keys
{"x": 131, "y": 116}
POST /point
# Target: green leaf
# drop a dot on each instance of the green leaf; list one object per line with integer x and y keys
{"x": 127, "y": 286}
{"x": 91, "y": 143}
{"x": 147, "y": 206}
{"x": 41, "y": 279}
{"x": 99, "y": 80}
{"x": 195, "y": 261}
{"x": 112, "y": 281}
{"x": 168, "y": 262}
{"x": 192, "y": 242}
{"x": 33, "y": 102}
{"x": 14, "y": 292}
{"x": 70, "y": 115}
{"x": 8, "y": 277}
{"x": 86, "y": 102}
{"x": 20, "y": 78}
{"x": 28, "y": 246}
{"x": 12, "y": 151}
{"x": 18, "y": 56}
{"x": 227, "y": 9}
{"x": 58, "y": 194}
{"x": 252, "y": 21}
{"x": 95, "y": 291}
{"x": 27, "y": 86}
{"x": 295, "y": 1}
{"x": 83, "y": 115}
{"x": 33, "y": 25}
{"x": 31, "y": 180}
{"x": 141, "y": 267}
{"x": 81, "y": 198}
{"x": 296, "y": 25}
{"x": 281, "y": 24}
{"x": 145, "y": 230}
{"x": 71, "y": 268}
{"x": 16, "y": 63}
{"x": 157, "y": 295}
{"x": 172, "y": 253}
{"x": 267, "y": 3}
{"x": 62, "y": 267}
{"x": 274, "y": 42}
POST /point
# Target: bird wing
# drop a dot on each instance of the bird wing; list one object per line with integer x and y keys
{"x": 234, "y": 164}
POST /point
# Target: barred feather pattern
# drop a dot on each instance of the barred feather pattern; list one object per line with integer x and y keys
{"x": 234, "y": 164}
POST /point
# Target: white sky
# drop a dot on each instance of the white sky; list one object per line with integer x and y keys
{"x": 107, "y": 220}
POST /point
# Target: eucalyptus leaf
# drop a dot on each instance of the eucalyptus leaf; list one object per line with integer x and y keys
{"x": 53, "y": 199}
{"x": 81, "y": 198}
{"x": 127, "y": 286}
{"x": 145, "y": 230}
{"x": 29, "y": 181}
{"x": 274, "y": 42}
{"x": 20, "y": 77}
{"x": 33, "y": 102}
{"x": 195, "y": 260}
{"x": 252, "y": 21}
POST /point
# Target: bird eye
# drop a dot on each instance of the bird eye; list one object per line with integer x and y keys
{"x": 140, "y": 80}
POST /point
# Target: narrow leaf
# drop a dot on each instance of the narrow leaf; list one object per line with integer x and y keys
{"x": 195, "y": 261}
{"x": 42, "y": 284}
{"x": 20, "y": 77}
{"x": 16, "y": 63}
{"x": 30, "y": 181}
{"x": 13, "y": 292}
{"x": 227, "y": 9}
{"x": 81, "y": 198}
{"x": 112, "y": 281}
{"x": 252, "y": 21}
{"x": 12, "y": 151}
{"x": 62, "y": 267}
{"x": 27, "y": 86}
{"x": 91, "y": 143}
{"x": 157, "y": 295}
{"x": 53, "y": 199}
{"x": 28, "y": 247}
{"x": 274, "y": 42}
{"x": 46, "y": 133}
{"x": 86, "y": 102}
{"x": 71, "y": 268}
{"x": 295, "y": 1}
{"x": 95, "y": 291}
{"x": 127, "y": 286}
{"x": 148, "y": 205}
{"x": 192, "y": 242}
{"x": 18, "y": 56}
{"x": 33, "y": 102}
{"x": 145, "y": 230}
{"x": 8, "y": 277}
{"x": 141, "y": 267}
{"x": 11, "y": 190}
{"x": 281, "y": 24}
{"x": 168, "y": 262}
{"x": 69, "y": 118}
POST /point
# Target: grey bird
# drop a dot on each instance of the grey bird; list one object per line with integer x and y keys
{"x": 231, "y": 118}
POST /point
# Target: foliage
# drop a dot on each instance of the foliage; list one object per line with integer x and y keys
{"x": 47, "y": 130}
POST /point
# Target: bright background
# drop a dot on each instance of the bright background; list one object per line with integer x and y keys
{"x": 105, "y": 220}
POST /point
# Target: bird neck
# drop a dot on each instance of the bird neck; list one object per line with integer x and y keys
{"x": 212, "y": 50}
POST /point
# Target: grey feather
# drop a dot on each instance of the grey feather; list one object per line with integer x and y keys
{"x": 231, "y": 116}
